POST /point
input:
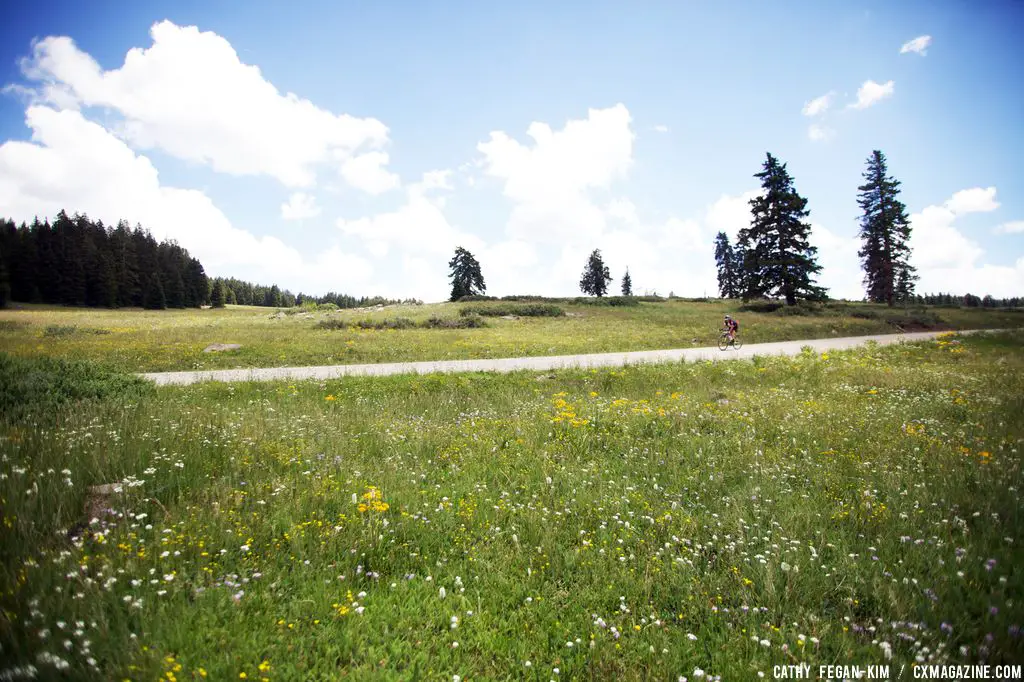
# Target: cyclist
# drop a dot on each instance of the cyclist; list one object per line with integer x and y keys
{"x": 731, "y": 328}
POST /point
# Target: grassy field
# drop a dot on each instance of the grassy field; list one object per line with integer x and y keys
{"x": 698, "y": 521}
{"x": 174, "y": 340}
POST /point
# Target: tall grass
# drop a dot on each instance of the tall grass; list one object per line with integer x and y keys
{"x": 641, "y": 523}
{"x": 174, "y": 340}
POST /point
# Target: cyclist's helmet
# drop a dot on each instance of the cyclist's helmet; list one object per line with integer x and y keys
{"x": 727, "y": 317}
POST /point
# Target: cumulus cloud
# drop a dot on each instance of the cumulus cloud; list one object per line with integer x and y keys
{"x": 948, "y": 260}
{"x": 549, "y": 181}
{"x": 871, "y": 93}
{"x": 367, "y": 172}
{"x": 300, "y": 206}
{"x": 419, "y": 226}
{"x": 1012, "y": 227}
{"x": 75, "y": 164}
{"x": 818, "y": 105}
{"x": 820, "y": 133}
{"x": 191, "y": 96}
{"x": 919, "y": 45}
{"x": 974, "y": 200}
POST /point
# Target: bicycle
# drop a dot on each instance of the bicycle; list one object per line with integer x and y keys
{"x": 724, "y": 341}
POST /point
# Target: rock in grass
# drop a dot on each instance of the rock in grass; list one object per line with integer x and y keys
{"x": 217, "y": 347}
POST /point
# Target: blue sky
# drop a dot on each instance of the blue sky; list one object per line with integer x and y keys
{"x": 649, "y": 120}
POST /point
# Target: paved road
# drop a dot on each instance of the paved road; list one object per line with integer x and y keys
{"x": 531, "y": 363}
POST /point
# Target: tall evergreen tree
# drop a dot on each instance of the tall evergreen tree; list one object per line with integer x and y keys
{"x": 779, "y": 260}
{"x": 884, "y": 233}
{"x": 595, "y": 275}
{"x": 217, "y": 295}
{"x": 153, "y": 297}
{"x": 627, "y": 284}
{"x": 728, "y": 274}
{"x": 466, "y": 277}
{"x": 5, "y": 283}
{"x": 272, "y": 297}
{"x": 739, "y": 269}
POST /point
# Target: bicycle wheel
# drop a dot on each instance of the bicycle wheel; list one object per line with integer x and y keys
{"x": 723, "y": 342}
{"x": 736, "y": 343}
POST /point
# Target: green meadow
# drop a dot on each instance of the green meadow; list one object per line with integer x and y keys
{"x": 173, "y": 340}
{"x": 697, "y": 521}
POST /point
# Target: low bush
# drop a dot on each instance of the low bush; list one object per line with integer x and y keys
{"x": 761, "y": 306}
{"x": 70, "y": 330}
{"x": 466, "y": 322}
{"x": 608, "y": 300}
{"x": 519, "y": 310}
{"x": 32, "y": 385}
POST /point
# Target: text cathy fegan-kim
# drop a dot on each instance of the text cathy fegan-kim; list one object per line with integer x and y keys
{"x": 885, "y": 672}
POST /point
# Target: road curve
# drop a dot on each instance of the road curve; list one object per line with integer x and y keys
{"x": 530, "y": 363}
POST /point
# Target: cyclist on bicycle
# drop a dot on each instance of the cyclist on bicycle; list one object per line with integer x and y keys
{"x": 731, "y": 327}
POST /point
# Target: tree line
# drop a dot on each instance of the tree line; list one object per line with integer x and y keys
{"x": 79, "y": 262}
{"x": 76, "y": 261}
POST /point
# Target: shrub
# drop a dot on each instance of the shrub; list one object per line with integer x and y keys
{"x": 520, "y": 310}
{"x": 608, "y": 300}
{"x": 476, "y": 297}
{"x": 465, "y": 322}
{"x": 393, "y": 323}
{"x": 33, "y": 385}
{"x": 761, "y": 306}
{"x": 70, "y": 330}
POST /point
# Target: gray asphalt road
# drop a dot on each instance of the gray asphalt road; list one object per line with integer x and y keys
{"x": 531, "y": 363}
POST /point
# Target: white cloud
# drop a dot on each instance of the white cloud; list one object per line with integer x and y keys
{"x": 871, "y": 92}
{"x": 820, "y": 133}
{"x": 1012, "y": 227}
{"x": 661, "y": 129}
{"x": 840, "y": 272}
{"x": 367, "y": 172}
{"x": 300, "y": 206}
{"x": 418, "y": 227}
{"x": 624, "y": 210}
{"x": 819, "y": 105}
{"x": 75, "y": 164}
{"x": 948, "y": 260}
{"x": 919, "y": 45}
{"x": 191, "y": 96}
{"x": 730, "y": 214}
{"x": 549, "y": 181}
{"x": 974, "y": 200}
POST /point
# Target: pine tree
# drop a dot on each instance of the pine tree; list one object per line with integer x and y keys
{"x": 627, "y": 284}
{"x": 595, "y": 275}
{"x": 217, "y": 295}
{"x": 5, "y": 284}
{"x": 153, "y": 297}
{"x": 779, "y": 260}
{"x": 272, "y": 297}
{"x": 728, "y": 276}
{"x": 466, "y": 277}
{"x": 885, "y": 233}
{"x": 739, "y": 269}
